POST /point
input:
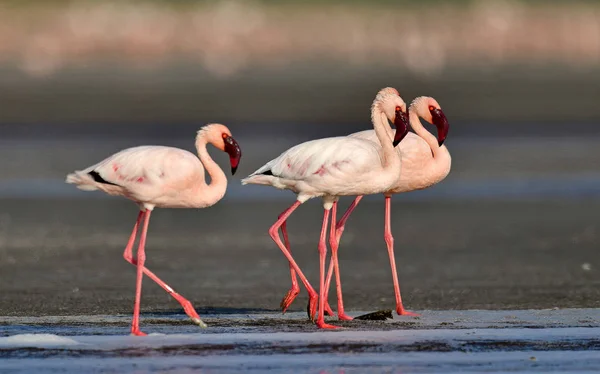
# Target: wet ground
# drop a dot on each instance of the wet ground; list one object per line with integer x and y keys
{"x": 65, "y": 256}
{"x": 461, "y": 341}
{"x": 239, "y": 321}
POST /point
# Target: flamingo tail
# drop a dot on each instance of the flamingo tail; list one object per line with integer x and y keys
{"x": 84, "y": 181}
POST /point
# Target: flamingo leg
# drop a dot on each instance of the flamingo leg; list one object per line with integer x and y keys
{"x": 338, "y": 236}
{"x": 290, "y": 296}
{"x": 322, "y": 258}
{"x": 334, "y": 243}
{"x": 389, "y": 240}
{"x": 128, "y": 255}
{"x": 274, "y": 233}
{"x": 141, "y": 258}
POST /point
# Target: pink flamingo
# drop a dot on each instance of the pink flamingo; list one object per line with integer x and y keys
{"x": 164, "y": 177}
{"x": 425, "y": 162}
{"x": 333, "y": 167}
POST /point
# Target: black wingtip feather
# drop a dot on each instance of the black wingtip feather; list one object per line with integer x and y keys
{"x": 267, "y": 172}
{"x": 97, "y": 178}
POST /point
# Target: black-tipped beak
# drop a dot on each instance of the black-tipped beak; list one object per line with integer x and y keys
{"x": 235, "y": 153}
{"x": 441, "y": 122}
{"x": 401, "y": 123}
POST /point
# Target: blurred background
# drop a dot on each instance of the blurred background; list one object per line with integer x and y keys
{"x": 515, "y": 222}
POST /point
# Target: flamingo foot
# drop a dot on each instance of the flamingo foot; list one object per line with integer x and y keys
{"x": 403, "y": 312}
{"x": 344, "y": 317}
{"x": 289, "y": 298}
{"x": 191, "y": 312}
{"x": 199, "y": 322}
{"x": 138, "y": 333}
{"x": 323, "y": 325}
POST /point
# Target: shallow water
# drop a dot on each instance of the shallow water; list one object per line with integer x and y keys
{"x": 413, "y": 362}
{"x": 444, "y": 341}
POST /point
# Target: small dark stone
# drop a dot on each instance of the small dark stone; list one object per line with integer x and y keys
{"x": 380, "y": 315}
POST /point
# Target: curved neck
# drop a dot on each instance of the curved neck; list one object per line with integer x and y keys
{"x": 218, "y": 181}
{"x": 415, "y": 123}
{"x": 384, "y": 134}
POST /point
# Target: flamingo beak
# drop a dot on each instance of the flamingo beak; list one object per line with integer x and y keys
{"x": 441, "y": 122}
{"x": 401, "y": 123}
{"x": 235, "y": 153}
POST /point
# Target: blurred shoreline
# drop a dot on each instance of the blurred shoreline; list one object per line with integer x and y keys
{"x": 140, "y": 62}
{"x": 225, "y": 37}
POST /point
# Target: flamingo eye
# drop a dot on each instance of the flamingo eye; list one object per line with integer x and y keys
{"x": 224, "y": 136}
{"x": 398, "y": 109}
{"x": 431, "y": 108}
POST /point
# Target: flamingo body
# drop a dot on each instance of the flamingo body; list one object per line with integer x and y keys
{"x": 329, "y": 167}
{"x": 155, "y": 176}
{"x": 158, "y": 176}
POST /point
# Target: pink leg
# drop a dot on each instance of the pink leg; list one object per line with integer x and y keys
{"x": 290, "y": 296}
{"x": 322, "y": 257}
{"x": 389, "y": 240}
{"x": 334, "y": 243}
{"x": 338, "y": 236}
{"x": 187, "y": 306}
{"x": 141, "y": 258}
{"x": 274, "y": 233}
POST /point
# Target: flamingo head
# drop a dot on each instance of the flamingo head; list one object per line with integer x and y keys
{"x": 430, "y": 110}
{"x": 220, "y": 136}
{"x": 233, "y": 150}
{"x": 386, "y": 91}
{"x": 395, "y": 110}
{"x": 401, "y": 123}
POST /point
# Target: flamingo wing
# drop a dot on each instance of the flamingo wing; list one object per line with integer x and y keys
{"x": 336, "y": 156}
{"x": 145, "y": 166}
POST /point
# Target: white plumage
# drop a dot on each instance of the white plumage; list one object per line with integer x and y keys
{"x": 424, "y": 161}
{"x": 144, "y": 174}
{"x": 336, "y": 166}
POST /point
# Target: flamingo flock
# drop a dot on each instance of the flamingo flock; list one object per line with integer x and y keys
{"x": 379, "y": 161}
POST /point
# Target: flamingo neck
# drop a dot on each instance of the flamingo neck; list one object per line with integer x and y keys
{"x": 417, "y": 126}
{"x": 385, "y": 135}
{"x": 218, "y": 181}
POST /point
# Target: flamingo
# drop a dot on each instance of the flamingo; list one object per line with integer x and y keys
{"x": 164, "y": 177}
{"x": 425, "y": 162}
{"x": 333, "y": 167}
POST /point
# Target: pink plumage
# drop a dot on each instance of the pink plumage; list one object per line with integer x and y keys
{"x": 166, "y": 177}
